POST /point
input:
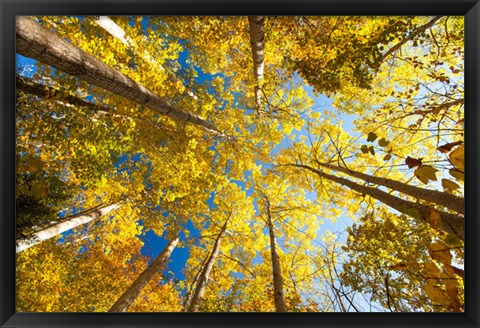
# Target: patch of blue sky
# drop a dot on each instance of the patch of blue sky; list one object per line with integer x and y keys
{"x": 121, "y": 166}
{"x": 25, "y": 66}
{"x": 258, "y": 259}
{"x": 154, "y": 245}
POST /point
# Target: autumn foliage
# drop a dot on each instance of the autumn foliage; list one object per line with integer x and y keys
{"x": 305, "y": 164}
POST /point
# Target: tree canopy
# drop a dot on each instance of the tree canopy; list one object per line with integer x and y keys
{"x": 240, "y": 164}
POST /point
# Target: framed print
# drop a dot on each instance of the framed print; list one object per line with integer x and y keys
{"x": 204, "y": 163}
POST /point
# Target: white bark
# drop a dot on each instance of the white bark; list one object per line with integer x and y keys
{"x": 257, "y": 37}
{"x": 60, "y": 227}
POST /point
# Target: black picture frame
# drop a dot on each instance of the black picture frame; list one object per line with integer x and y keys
{"x": 10, "y": 8}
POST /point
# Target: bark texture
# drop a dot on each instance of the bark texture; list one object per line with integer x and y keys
{"x": 37, "y": 42}
{"x": 73, "y": 222}
{"x": 202, "y": 280}
{"x": 437, "y": 197}
{"x": 257, "y": 38}
{"x": 450, "y": 223}
{"x": 127, "y": 299}
{"x": 279, "y": 294}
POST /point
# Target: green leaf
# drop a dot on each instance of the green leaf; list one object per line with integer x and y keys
{"x": 371, "y": 137}
{"x": 364, "y": 149}
{"x": 372, "y": 151}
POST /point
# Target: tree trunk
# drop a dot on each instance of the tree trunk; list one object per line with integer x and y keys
{"x": 202, "y": 280}
{"x": 124, "y": 302}
{"x": 37, "y": 42}
{"x": 279, "y": 294}
{"x": 73, "y": 222}
{"x": 443, "y": 199}
{"x": 257, "y": 37}
{"x": 117, "y": 32}
{"x": 449, "y": 223}
{"x": 47, "y": 92}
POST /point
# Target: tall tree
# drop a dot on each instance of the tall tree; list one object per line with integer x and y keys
{"x": 30, "y": 86}
{"x": 278, "y": 292}
{"x": 65, "y": 225}
{"x": 442, "y": 221}
{"x": 129, "y": 296}
{"x": 296, "y": 162}
{"x": 37, "y": 42}
{"x": 203, "y": 278}
{"x": 257, "y": 37}
{"x": 437, "y": 197}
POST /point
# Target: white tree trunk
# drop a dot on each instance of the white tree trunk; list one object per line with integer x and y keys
{"x": 35, "y": 41}
{"x": 58, "y": 228}
{"x": 124, "y": 302}
{"x": 257, "y": 37}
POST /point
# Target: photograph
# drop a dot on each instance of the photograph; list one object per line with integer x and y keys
{"x": 240, "y": 164}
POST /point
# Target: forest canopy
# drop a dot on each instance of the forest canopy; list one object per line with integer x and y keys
{"x": 240, "y": 164}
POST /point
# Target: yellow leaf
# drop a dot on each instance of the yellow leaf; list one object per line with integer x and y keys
{"x": 452, "y": 240}
{"x": 457, "y": 175}
{"x": 403, "y": 265}
{"x": 449, "y": 184}
{"x": 457, "y": 157}
{"x": 440, "y": 252}
{"x": 436, "y": 294}
{"x": 431, "y": 270}
{"x": 426, "y": 173}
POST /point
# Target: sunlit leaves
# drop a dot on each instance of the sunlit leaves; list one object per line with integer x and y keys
{"x": 426, "y": 173}
{"x": 397, "y": 114}
{"x": 457, "y": 158}
{"x": 449, "y": 184}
